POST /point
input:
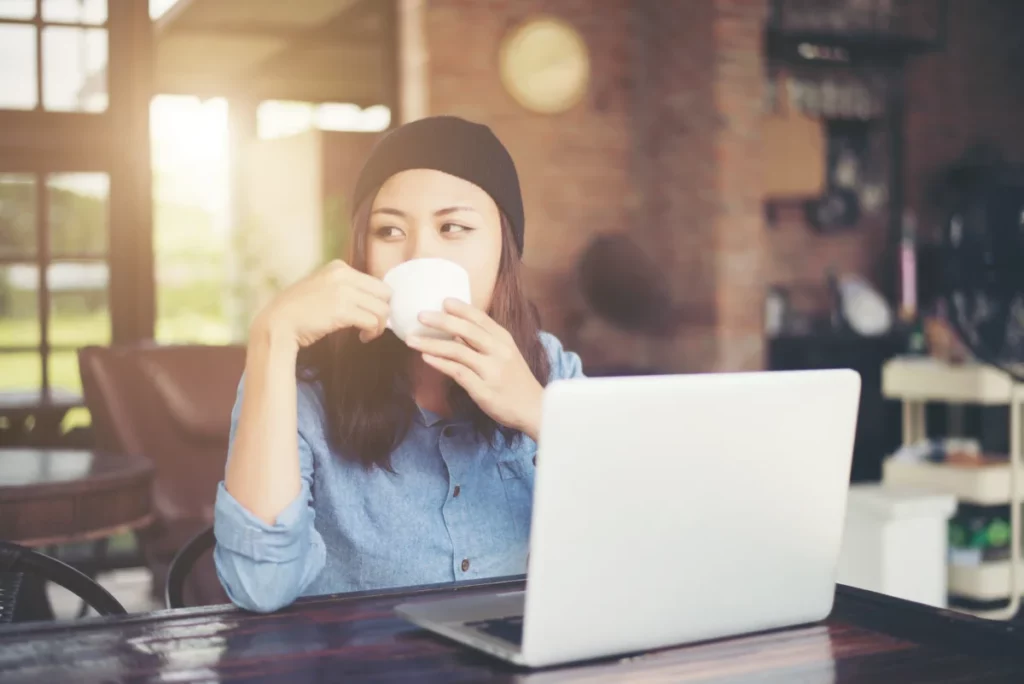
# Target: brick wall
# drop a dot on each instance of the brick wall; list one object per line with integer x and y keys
{"x": 666, "y": 146}
{"x": 575, "y": 168}
{"x": 678, "y": 118}
{"x": 739, "y": 248}
{"x": 665, "y": 134}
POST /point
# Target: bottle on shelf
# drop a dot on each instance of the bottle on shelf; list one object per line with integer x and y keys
{"x": 909, "y": 313}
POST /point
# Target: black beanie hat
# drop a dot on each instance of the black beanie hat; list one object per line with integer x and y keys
{"x": 455, "y": 146}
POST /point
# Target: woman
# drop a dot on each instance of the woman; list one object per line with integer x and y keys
{"x": 414, "y": 461}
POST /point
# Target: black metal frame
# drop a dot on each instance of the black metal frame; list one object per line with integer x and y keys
{"x": 18, "y": 559}
{"x": 181, "y": 565}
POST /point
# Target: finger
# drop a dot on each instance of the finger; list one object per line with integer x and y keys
{"x": 380, "y": 310}
{"x": 378, "y": 307}
{"x": 358, "y": 317}
{"x": 472, "y": 314}
{"x": 362, "y": 281}
{"x": 452, "y": 351}
{"x": 475, "y": 336}
{"x": 463, "y": 375}
{"x": 366, "y": 336}
{"x": 374, "y": 286}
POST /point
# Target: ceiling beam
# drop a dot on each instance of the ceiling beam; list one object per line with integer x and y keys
{"x": 361, "y": 93}
{"x": 261, "y": 30}
{"x": 335, "y": 29}
{"x": 172, "y": 16}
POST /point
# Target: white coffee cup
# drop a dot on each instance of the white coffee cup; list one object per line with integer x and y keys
{"x": 420, "y": 285}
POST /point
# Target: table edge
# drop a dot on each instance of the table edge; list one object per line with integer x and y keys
{"x": 510, "y": 582}
{"x": 926, "y": 624}
{"x": 91, "y": 535}
{"x": 878, "y": 612}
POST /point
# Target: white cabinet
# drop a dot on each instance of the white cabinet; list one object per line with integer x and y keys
{"x": 894, "y": 542}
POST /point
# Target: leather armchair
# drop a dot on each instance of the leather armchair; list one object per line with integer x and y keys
{"x": 171, "y": 405}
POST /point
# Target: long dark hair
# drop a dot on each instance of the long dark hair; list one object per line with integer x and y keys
{"x": 366, "y": 387}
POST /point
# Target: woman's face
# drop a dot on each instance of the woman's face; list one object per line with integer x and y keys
{"x": 426, "y": 213}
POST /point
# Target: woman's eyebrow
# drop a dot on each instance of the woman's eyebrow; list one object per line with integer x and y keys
{"x": 388, "y": 210}
{"x": 440, "y": 212}
{"x": 455, "y": 209}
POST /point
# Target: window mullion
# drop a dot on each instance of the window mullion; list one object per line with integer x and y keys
{"x": 43, "y": 261}
{"x": 39, "y": 57}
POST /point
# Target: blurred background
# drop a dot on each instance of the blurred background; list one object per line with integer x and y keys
{"x": 710, "y": 185}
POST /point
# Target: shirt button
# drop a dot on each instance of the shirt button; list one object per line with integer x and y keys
{"x": 456, "y": 492}
{"x": 535, "y": 459}
{"x": 448, "y": 431}
{"x": 465, "y": 564}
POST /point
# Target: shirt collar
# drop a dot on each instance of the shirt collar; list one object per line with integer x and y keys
{"x": 430, "y": 419}
{"x": 427, "y": 418}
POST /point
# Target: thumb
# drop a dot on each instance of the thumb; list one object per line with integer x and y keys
{"x": 370, "y": 335}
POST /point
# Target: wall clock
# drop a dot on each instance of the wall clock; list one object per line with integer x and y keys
{"x": 545, "y": 65}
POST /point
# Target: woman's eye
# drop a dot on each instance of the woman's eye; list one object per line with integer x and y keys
{"x": 455, "y": 228}
{"x": 386, "y": 232}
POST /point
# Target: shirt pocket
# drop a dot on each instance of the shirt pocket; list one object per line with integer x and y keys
{"x": 517, "y": 481}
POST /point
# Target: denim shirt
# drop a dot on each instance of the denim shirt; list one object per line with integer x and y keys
{"x": 456, "y": 508}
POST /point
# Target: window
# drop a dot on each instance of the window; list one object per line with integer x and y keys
{"x": 62, "y": 240}
{"x": 53, "y": 55}
{"x": 53, "y": 279}
{"x": 211, "y": 264}
{"x": 280, "y": 118}
{"x": 189, "y": 143}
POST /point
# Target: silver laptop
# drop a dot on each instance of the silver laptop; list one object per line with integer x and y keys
{"x": 670, "y": 510}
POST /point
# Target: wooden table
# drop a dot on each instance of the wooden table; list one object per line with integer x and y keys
{"x": 868, "y": 638}
{"x": 53, "y": 496}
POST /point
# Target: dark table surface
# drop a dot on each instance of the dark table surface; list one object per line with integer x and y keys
{"x": 868, "y": 638}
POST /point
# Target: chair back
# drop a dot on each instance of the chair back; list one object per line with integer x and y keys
{"x": 10, "y": 592}
{"x": 183, "y": 564}
{"x": 18, "y": 560}
{"x": 172, "y": 405}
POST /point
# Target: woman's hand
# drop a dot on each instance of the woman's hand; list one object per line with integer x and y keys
{"x": 486, "y": 362}
{"x": 334, "y": 297}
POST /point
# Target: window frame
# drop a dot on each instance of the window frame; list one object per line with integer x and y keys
{"x": 42, "y": 259}
{"x": 39, "y": 23}
{"x": 115, "y": 142}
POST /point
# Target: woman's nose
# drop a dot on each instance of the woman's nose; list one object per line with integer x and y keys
{"x": 427, "y": 244}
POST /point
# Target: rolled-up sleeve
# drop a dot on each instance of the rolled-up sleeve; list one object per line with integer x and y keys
{"x": 265, "y": 567}
{"x": 564, "y": 364}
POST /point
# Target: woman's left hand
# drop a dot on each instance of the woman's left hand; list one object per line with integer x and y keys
{"x": 484, "y": 359}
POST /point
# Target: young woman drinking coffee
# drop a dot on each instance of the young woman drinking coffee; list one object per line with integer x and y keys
{"x": 360, "y": 461}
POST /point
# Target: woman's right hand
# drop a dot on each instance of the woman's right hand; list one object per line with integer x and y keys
{"x": 334, "y": 297}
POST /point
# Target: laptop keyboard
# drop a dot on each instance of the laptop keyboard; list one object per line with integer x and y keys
{"x": 508, "y": 628}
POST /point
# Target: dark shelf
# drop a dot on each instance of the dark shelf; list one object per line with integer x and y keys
{"x": 825, "y": 47}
